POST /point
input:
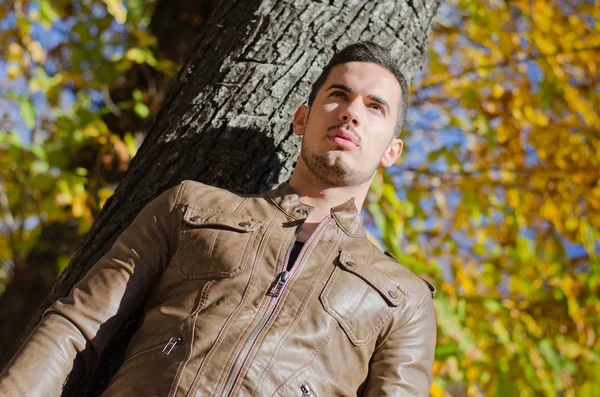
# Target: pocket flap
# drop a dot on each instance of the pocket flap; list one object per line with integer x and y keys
{"x": 206, "y": 217}
{"x": 387, "y": 288}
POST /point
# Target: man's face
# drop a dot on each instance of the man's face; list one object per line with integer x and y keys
{"x": 349, "y": 130}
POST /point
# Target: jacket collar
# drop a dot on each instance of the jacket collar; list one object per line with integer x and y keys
{"x": 346, "y": 215}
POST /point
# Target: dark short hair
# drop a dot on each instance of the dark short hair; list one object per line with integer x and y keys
{"x": 366, "y": 51}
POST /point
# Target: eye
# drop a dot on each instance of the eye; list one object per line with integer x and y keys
{"x": 378, "y": 108}
{"x": 339, "y": 94}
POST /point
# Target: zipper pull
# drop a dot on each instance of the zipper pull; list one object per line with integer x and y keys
{"x": 279, "y": 283}
{"x": 306, "y": 391}
{"x": 171, "y": 345}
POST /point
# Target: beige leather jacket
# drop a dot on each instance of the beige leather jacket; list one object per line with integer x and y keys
{"x": 222, "y": 317}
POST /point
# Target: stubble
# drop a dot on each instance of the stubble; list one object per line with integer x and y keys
{"x": 334, "y": 171}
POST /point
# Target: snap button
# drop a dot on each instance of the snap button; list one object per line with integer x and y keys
{"x": 393, "y": 294}
{"x": 195, "y": 218}
{"x": 301, "y": 211}
{"x": 244, "y": 224}
{"x": 351, "y": 264}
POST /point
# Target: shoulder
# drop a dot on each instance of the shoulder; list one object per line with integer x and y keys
{"x": 413, "y": 285}
{"x": 396, "y": 265}
{"x": 416, "y": 290}
{"x": 385, "y": 267}
{"x": 197, "y": 194}
{"x": 384, "y": 271}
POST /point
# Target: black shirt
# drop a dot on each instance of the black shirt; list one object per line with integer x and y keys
{"x": 294, "y": 254}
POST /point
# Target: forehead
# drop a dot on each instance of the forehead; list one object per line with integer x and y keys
{"x": 366, "y": 78}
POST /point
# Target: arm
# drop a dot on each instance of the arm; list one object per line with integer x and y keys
{"x": 402, "y": 364}
{"x": 73, "y": 332}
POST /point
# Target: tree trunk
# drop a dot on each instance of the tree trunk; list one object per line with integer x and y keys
{"x": 226, "y": 120}
{"x": 33, "y": 278}
{"x": 30, "y": 284}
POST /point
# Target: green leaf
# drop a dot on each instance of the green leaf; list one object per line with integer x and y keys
{"x": 62, "y": 262}
{"x": 141, "y": 110}
{"x": 80, "y": 171}
{"x": 550, "y": 354}
{"x": 470, "y": 98}
{"x": 137, "y": 95}
{"x": 131, "y": 144}
{"x": 27, "y": 112}
{"x": 137, "y": 55}
{"x": 506, "y": 387}
{"x": 39, "y": 167}
{"x": 492, "y": 305}
{"x": 47, "y": 14}
{"x": 38, "y": 151}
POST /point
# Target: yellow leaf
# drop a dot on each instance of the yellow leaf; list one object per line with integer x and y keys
{"x": 33, "y": 15}
{"x": 531, "y": 324}
{"x": 36, "y": 51}
{"x": 541, "y": 119}
{"x": 78, "y": 205}
{"x": 497, "y": 90}
{"x": 529, "y": 113}
{"x": 13, "y": 71}
{"x": 549, "y": 210}
{"x": 15, "y": 52}
{"x": 117, "y": 10}
{"x": 582, "y": 105}
{"x": 103, "y": 195}
{"x": 512, "y": 197}
{"x": 135, "y": 54}
{"x": 571, "y": 224}
{"x": 546, "y": 44}
{"x": 465, "y": 281}
{"x": 436, "y": 391}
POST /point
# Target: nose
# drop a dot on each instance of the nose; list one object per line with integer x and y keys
{"x": 351, "y": 114}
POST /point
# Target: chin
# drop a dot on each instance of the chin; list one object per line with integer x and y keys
{"x": 334, "y": 168}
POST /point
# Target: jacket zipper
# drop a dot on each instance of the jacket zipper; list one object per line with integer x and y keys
{"x": 167, "y": 348}
{"x": 306, "y": 391}
{"x": 277, "y": 288}
{"x": 171, "y": 344}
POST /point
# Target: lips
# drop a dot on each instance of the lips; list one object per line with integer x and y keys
{"x": 340, "y": 135}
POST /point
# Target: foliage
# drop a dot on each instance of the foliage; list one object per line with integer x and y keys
{"x": 59, "y": 159}
{"x": 503, "y": 210}
{"x": 497, "y": 198}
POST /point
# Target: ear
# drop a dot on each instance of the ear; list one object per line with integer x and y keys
{"x": 300, "y": 119}
{"x": 392, "y": 153}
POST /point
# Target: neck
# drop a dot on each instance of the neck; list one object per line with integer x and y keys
{"x": 323, "y": 197}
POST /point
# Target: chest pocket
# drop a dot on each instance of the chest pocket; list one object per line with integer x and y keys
{"x": 360, "y": 297}
{"x": 214, "y": 244}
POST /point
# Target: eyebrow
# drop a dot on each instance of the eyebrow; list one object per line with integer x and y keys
{"x": 349, "y": 89}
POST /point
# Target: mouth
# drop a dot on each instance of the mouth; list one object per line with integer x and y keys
{"x": 342, "y": 138}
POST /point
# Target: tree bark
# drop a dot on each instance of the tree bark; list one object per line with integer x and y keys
{"x": 175, "y": 23}
{"x": 226, "y": 120}
{"x": 30, "y": 284}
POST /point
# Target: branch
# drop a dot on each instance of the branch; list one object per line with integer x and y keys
{"x": 114, "y": 109}
{"x": 10, "y": 223}
{"x": 537, "y": 168}
{"x": 505, "y": 63}
{"x": 9, "y": 220}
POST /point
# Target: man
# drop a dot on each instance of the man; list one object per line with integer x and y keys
{"x": 273, "y": 294}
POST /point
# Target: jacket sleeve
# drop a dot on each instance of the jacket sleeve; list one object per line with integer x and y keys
{"x": 402, "y": 364}
{"x": 73, "y": 332}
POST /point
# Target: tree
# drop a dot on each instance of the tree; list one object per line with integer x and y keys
{"x": 60, "y": 163}
{"x": 504, "y": 211}
{"x": 496, "y": 196}
{"x": 226, "y": 119}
